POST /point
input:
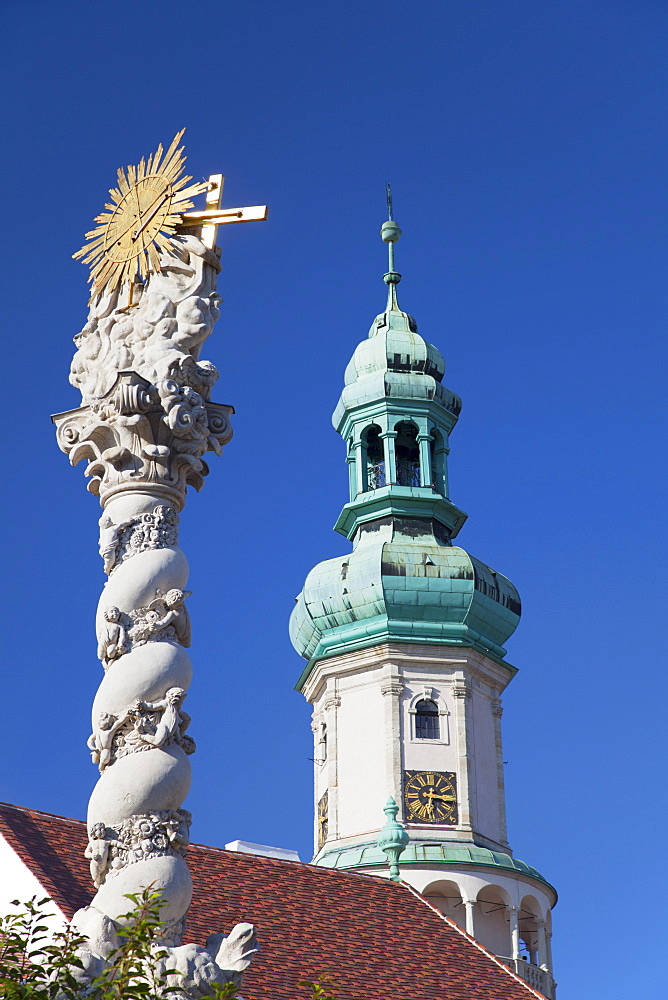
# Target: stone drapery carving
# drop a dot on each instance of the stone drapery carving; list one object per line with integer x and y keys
{"x": 144, "y": 426}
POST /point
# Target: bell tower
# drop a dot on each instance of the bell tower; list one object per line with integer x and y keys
{"x": 404, "y": 642}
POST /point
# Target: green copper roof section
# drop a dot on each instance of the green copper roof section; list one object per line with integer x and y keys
{"x": 400, "y": 584}
{"x": 458, "y": 855}
{"x": 400, "y": 501}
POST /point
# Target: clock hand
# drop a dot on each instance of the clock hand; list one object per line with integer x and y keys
{"x": 446, "y": 798}
{"x": 149, "y": 217}
{"x": 160, "y": 199}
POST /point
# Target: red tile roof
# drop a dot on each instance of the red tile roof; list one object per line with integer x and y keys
{"x": 379, "y": 939}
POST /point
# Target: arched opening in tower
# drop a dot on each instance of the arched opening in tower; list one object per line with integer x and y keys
{"x": 375, "y": 458}
{"x": 407, "y": 451}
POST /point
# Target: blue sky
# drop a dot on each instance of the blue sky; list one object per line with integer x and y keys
{"x": 526, "y": 144}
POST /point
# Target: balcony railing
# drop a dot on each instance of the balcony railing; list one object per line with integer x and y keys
{"x": 537, "y": 978}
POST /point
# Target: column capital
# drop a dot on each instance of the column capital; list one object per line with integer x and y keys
{"x": 147, "y": 437}
{"x": 392, "y": 687}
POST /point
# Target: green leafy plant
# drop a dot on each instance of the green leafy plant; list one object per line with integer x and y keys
{"x": 37, "y": 965}
{"x": 321, "y": 988}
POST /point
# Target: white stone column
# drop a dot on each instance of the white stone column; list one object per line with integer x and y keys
{"x": 514, "y": 918}
{"x": 548, "y": 950}
{"x": 469, "y": 907}
{"x": 542, "y": 944}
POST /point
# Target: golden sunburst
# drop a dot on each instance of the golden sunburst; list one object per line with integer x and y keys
{"x": 144, "y": 212}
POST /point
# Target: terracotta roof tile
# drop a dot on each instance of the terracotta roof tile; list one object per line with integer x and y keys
{"x": 379, "y": 939}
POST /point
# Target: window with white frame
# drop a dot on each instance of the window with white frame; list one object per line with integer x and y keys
{"x": 429, "y": 718}
{"x": 426, "y": 720}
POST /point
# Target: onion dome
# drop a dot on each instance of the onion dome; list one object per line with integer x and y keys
{"x": 406, "y": 585}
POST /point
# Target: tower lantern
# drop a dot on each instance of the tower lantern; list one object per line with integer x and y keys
{"x": 404, "y": 639}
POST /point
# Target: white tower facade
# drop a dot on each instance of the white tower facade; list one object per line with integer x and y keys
{"x": 404, "y": 641}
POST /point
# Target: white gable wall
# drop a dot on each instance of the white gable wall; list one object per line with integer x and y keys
{"x": 18, "y": 882}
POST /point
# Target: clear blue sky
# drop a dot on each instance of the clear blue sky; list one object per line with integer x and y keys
{"x": 526, "y": 144}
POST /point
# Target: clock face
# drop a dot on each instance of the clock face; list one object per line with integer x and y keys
{"x": 430, "y": 797}
{"x": 137, "y": 224}
{"x": 323, "y": 819}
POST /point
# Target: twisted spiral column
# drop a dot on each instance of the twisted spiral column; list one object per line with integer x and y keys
{"x": 138, "y": 739}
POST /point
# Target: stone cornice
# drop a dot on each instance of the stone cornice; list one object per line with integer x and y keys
{"x": 406, "y": 655}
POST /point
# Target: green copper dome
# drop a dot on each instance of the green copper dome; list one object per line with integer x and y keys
{"x": 404, "y": 580}
{"x": 394, "y": 344}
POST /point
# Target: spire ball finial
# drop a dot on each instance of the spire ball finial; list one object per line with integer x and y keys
{"x": 390, "y": 233}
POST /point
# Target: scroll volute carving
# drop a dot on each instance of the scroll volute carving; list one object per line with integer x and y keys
{"x": 147, "y": 434}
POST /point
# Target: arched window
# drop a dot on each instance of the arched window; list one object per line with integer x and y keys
{"x": 375, "y": 458}
{"x": 407, "y": 453}
{"x": 426, "y": 720}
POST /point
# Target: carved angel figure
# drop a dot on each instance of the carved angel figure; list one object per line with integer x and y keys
{"x": 173, "y": 722}
{"x": 114, "y": 640}
{"x": 165, "y": 619}
{"x": 100, "y": 742}
{"x": 97, "y": 851}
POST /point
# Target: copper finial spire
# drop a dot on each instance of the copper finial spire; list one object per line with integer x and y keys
{"x": 390, "y": 233}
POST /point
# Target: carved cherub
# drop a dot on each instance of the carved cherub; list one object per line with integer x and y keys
{"x": 177, "y": 615}
{"x": 172, "y": 722}
{"x": 100, "y": 742}
{"x": 114, "y": 640}
{"x": 178, "y": 832}
{"x": 109, "y": 541}
{"x": 97, "y": 851}
{"x": 165, "y": 618}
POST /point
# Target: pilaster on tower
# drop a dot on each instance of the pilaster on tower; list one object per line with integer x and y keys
{"x": 404, "y": 639}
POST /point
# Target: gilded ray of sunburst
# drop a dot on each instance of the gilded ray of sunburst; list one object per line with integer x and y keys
{"x": 136, "y": 226}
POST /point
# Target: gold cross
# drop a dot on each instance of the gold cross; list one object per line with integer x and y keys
{"x": 214, "y": 216}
